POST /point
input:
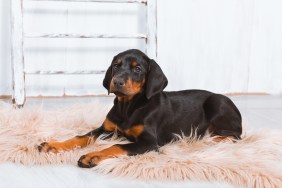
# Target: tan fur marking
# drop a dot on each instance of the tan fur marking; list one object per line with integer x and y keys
{"x": 97, "y": 157}
{"x": 112, "y": 86}
{"x": 134, "y": 64}
{"x": 109, "y": 125}
{"x": 70, "y": 144}
{"x": 134, "y": 131}
{"x": 118, "y": 61}
{"x": 136, "y": 87}
{"x": 223, "y": 138}
{"x": 125, "y": 98}
{"x": 131, "y": 89}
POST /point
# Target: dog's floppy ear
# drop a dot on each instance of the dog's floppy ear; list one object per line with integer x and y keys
{"x": 107, "y": 79}
{"x": 156, "y": 80}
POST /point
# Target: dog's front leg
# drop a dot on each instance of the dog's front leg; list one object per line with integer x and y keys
{"x": 78, "y": 141}
{"x": 94, "y": 158}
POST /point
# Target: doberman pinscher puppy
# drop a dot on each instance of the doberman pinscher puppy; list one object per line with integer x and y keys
{"x": 150, "y": 117}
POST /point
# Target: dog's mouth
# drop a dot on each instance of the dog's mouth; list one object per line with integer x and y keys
{"x": 119, "y": 94}
{"x": 129, "y": 88}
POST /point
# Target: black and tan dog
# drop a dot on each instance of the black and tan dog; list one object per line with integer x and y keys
{"x": 150, "y": 117}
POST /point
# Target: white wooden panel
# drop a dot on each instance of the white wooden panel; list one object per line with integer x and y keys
{"x": 84, "y": 18}
{"x": 62, "y": 85}
{"x": 70, "y": 54}
{"x": 152, "y": 29}
{"x": 5, "y": 49}
{"x": 98, "y": 1}
{"x": 221, "y": 45}
{"x": 38, "y": 72}
{"x": 205, "y": 44}
{"x": 17, "y": 52}
{"x": 73, "y": 35}
{"x": 266, "y": 47}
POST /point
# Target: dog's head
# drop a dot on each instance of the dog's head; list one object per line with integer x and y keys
{"x": 132, "y": 72}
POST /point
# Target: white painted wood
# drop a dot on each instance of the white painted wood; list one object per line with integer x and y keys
{"x": 72, "y": 35}
{"x": 67, "y": 72}
{"x": 206, "y": 44}
{"x": 40, "y": 74}
{"x": 266, "y": 48}
{"x": 152, "y": 29}
{"x": 215, "y": 45}
{"x": 17, "y": 56}
{"x": 99, "y": 1}
{"x": 5, "y": 49}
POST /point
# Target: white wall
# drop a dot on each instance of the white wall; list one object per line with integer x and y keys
{"x": 222, "y": 45}
{"x": 219, "y": 45}
{"x": 5, "y": 49}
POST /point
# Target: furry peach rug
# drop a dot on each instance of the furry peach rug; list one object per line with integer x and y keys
{"x": 255, "y": 161}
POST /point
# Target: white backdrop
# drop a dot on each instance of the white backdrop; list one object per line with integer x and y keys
{"x": 219, "y": 45}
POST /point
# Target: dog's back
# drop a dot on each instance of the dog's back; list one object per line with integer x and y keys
{"x": 194, "y": 111}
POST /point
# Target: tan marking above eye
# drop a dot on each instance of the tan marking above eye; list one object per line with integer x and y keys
{"x": 134, "y": 64}
{"x": 118, "y": 61}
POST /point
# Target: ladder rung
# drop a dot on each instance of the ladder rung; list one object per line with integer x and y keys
{"x": 99, "y": 1}
{"x": 38, "y": 72}
{"x": 66, "y": 35}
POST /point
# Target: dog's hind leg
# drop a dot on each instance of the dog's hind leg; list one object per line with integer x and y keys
{"x": 223, "y": 116}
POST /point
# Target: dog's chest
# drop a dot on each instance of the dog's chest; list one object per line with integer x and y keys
{"x": 130, "y": 131}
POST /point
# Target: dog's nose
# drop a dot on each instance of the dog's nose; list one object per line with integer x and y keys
{"x": 119, "y": 82}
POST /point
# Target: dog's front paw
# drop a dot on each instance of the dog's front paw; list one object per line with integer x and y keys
{"x": 53, "y": 147}
{"x": 88, "y": 161}
{"x": 94, "y": 158}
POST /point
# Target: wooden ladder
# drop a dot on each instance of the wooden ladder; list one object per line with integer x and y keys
{"x": 18, "y": 36}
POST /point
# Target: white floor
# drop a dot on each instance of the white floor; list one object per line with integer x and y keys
{"x": 257, "y": 112}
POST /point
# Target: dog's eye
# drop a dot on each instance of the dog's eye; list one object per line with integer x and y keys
{"x": 137, "y": 69}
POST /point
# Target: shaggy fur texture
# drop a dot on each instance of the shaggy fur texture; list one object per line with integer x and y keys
{"x": 255, "y": 161}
